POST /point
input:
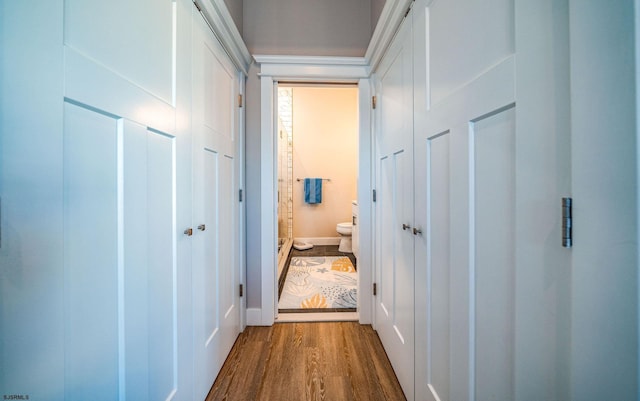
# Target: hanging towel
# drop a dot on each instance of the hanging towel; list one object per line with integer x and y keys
{"x": 313, "y": 190}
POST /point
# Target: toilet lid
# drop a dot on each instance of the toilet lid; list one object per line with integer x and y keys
{"x": 345, "y": 225}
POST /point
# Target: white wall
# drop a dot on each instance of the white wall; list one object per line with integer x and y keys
{"x": 604, "y": 287}
{"x": 325, "y": 132}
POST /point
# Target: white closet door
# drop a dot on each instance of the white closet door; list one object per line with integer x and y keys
{"x": 394, "y": 208}
{"x": 216, "y": 299}
{"x": 123, "y": 162}
{"x": 115, "y": 174}
{"x": 491, "y": 169}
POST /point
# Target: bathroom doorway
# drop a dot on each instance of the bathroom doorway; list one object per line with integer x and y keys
{"x": 317, "y": 166}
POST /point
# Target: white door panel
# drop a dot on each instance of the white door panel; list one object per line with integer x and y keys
{"x": 493, "y": 248}
{"x": 120, "y": 264}
{"x": 92, "y": 340}
{"x": 89, "y": 30}
{"x": 432, "y": 267}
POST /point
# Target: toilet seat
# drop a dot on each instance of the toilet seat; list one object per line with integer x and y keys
{"x": 344, "y": 228}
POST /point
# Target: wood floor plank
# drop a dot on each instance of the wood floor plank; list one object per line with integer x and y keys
{"x": 342, "y": 361}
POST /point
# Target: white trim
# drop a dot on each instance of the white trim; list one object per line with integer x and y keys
{"x": 224, "y": 28}
{"x": 254, "y": 317}
{"x": 268, "y": 210}
{"x": 240, "y": 166}
{"x": 392, "y": 15}
{"x": 311, "y": 68}
{"x": 365, "y": 203}
{"x": 330, "y": 69}
{"x": 319, "y": 240}
{"x": 318, "y": 317}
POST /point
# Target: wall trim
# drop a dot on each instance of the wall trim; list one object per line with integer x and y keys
{"x": 313, "y": 68}
{"x": 392, "y": 15}
{"x": 254, "y": 317}
{"x": 217, "y": 15}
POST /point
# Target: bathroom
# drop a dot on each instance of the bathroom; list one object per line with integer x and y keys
{"x": 317, "y": 139}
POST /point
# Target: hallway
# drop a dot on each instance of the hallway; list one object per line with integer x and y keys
{"x": 307, "y": 361}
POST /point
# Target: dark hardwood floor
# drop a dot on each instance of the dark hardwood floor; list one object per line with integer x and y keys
{"x": 340, "y": 361}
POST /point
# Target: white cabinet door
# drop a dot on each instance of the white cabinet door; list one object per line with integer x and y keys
{"x": 216, "y": 279}
{"x": 491, "y": 169}
{"x": 394, "y": 208}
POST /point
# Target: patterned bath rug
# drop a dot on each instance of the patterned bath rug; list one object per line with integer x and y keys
{"x": 320, "y": 283}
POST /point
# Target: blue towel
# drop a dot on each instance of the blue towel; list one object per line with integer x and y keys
{"x": 313, "y": 190}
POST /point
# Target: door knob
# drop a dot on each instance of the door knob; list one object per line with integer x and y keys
{"x": 405, "y": 227}
{"x": 416, "y": 231}
{"x": 188, "y": 232}
{"x": 202, "y": 227}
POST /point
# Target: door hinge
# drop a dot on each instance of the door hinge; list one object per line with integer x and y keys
{"x": 567, "y": 223}
{"x": 375, "y": 289}
{"x": 374, "y": 195}
{"x": 197, "y": 5}
{"x": 240, "y": 195}
{"x": 374, "y": 101}
{"x": 241, "y": 290}
{"x": 240, "y": 100}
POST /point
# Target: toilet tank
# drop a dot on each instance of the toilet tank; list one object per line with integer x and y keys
{"x": 355, "y": 233}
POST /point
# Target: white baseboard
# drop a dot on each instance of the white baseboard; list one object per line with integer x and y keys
{"x": 254, "y": 317}
{"x": 317, "y": 317}
{"x": 319, "y": 240}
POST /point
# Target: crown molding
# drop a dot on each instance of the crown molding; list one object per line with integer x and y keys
{"x": 221, "y": 22}
{"x": 223, "y": 27}
{"x": 392, "y": 15}
{"x": 309, "y": 68}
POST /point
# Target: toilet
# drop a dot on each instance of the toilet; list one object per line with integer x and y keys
{"x": 345, "y": 229}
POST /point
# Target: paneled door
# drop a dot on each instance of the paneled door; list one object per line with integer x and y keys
{"x": 96, "y": 313}
{"x": 126, "y": 191}
{"x": 491, "y": 167}
{"x": 394, "y": 208}
{"x": 216, "y": 275}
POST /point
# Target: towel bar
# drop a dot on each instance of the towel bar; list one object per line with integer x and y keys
{"x": 323, "y": 179}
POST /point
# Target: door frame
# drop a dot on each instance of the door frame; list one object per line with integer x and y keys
{"x": 306, "y": 69}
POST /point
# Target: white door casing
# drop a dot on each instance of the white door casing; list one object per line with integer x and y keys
{"x": 308, "y": 69}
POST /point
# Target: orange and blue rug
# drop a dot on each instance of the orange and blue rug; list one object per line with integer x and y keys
{"x": 320, "y": 283}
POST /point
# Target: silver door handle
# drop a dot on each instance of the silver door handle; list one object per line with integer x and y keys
{"x": 417, "y": 231}
{"x": 405, "y": 227}
{"x": 188, "y": 232}
{"x": 202, "y": 227}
